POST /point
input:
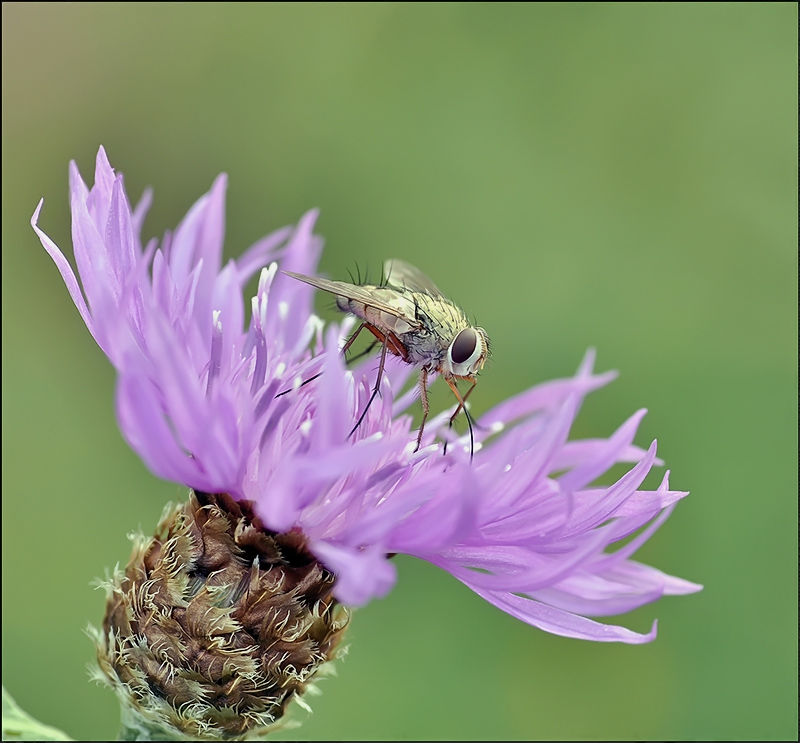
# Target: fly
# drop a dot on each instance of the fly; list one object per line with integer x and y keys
{"x": 412, "y": 319}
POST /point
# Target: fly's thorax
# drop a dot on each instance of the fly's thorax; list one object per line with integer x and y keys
{"x": 424, "y": 349}
{"x": 440, "y": 321}
{"x": 439, "y": 316}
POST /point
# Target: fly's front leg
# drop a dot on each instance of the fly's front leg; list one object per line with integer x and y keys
{"x": 462, "y": 403}
{"x": 423, "y": 386}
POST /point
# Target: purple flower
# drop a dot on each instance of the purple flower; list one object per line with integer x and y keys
{"x": 198, "y": 398}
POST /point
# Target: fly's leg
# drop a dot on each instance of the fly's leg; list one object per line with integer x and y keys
{"x": 344, "y": 351}
{"x": 423, "y": 386}
{"x": 470, "y": 421}
{"x": 352, "y": 338}
{"x": 377, "y": 387}
{"x": 462, "y": 405}
{"x": 302, "y": 384}
{"x": 363, "y": 353}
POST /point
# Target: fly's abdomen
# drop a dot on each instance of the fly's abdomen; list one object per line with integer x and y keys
{"x": 380, "y": 318}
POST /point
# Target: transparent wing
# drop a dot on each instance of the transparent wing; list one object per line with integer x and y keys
{"x": 402, "y": 274}
{"x": 364, "y": 294}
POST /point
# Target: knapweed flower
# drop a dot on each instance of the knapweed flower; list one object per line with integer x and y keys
{"x": 236, "y": 599}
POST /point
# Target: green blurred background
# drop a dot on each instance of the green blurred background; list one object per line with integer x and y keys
{"x": 613, "y": 175}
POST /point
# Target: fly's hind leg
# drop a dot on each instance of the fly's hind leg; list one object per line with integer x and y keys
{"x": 344, "y": 351}
{"x": 377, "y": 386}
{"x": 352, "y": 338}
{"x": 363, "y": 353}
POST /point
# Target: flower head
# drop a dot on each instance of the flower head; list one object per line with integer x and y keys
{"x": 224, "y": 404}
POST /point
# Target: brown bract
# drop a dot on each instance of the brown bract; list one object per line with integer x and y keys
{"x": 216, "y": 624}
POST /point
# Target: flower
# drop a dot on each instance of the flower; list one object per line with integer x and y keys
{"x": 260, "y": 410}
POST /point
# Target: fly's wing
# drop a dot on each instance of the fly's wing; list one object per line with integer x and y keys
{"x": 402, "y": 274}
{"x": 366, "y": 295}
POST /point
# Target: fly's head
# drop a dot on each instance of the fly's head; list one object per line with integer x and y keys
{"x": 466, "y": 354}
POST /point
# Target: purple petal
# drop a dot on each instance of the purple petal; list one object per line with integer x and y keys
{"x": 362, "y": 574}
{"x": 560, "y": 622}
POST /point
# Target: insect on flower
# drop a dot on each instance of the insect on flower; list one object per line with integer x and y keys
{"x": 410, "y": 317}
